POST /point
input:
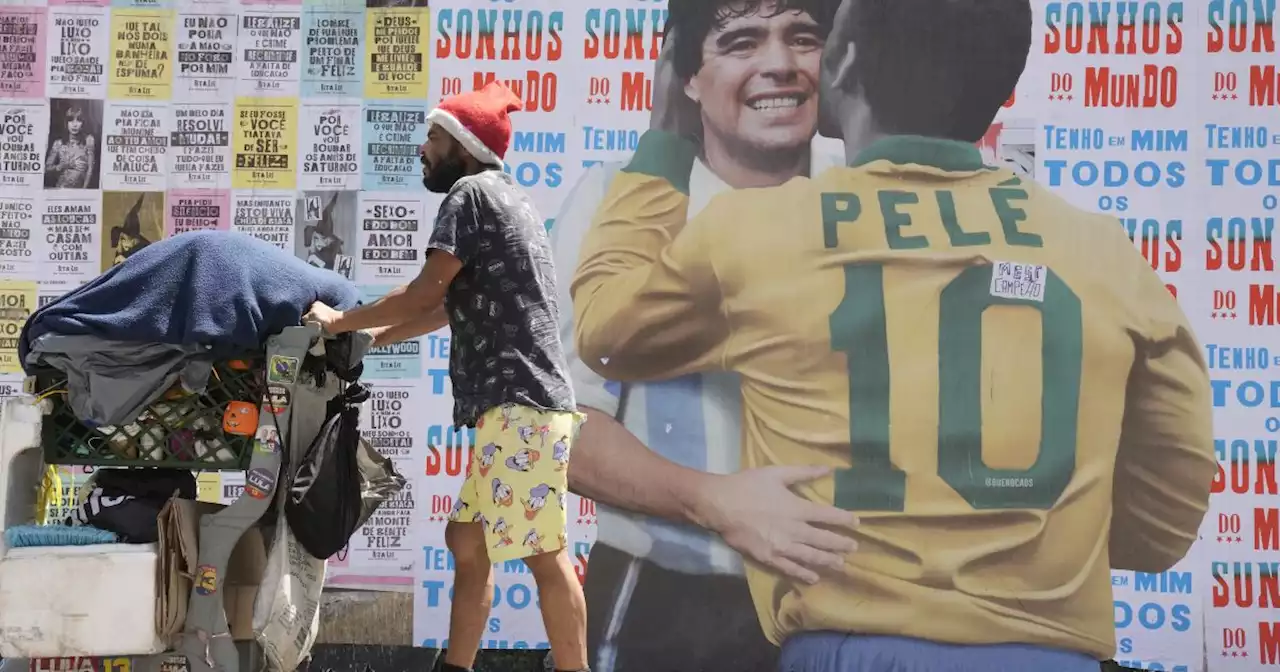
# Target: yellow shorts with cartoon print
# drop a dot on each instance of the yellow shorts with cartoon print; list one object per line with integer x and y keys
{"x": 518, "y": 480}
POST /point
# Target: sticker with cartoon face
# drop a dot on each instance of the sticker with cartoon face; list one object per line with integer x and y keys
{"x": 487, "y": 456}
{"x": 534, "y": 541}
{"x": 527, "y": 432}
{"x": 523, "y": 460}
{"x": 502, "y": 493}
{"x": 206, "y": 580}
{"x": 560, "y": 453}
{"x": 537, "y": 500}
{"x": 503, "y": 531}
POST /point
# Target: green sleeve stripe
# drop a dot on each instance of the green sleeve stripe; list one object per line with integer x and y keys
{"x": 666, "y": 156}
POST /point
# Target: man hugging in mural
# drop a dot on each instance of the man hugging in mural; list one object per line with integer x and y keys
{"x": 995, "y": 383}
{"x": 741, "y": 77}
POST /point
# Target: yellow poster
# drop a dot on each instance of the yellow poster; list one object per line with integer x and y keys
{"x": 17, "y": 300}
{"x": 141, "y": 54}
{"x": 396, "y": 53}
{"x": 265, "y": 144}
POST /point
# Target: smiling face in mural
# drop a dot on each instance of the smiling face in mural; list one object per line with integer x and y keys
{"x": 758, "y": 83}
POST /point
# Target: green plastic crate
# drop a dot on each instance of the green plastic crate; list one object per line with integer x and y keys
{"x": 183, "y": 432}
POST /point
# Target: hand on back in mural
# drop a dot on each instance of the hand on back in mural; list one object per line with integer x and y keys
{"x": 758, "y": 514}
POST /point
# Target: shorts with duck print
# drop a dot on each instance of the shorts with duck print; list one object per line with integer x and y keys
{"x": 518, "y": 480}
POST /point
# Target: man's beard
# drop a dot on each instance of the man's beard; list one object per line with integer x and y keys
{"x": 442, "y": 175}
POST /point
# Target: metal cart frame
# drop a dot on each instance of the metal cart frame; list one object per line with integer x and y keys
{"x": 206, "y": 642}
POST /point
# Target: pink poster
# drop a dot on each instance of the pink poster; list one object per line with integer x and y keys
{"x": 22, "y": 51}
{"x": 197, "y": 210}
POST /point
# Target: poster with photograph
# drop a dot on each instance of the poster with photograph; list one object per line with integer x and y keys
{"x": 77, "y": 47}
{"x": 69, "y": 235}
{"x": 189, "y": 210}
{"x": 23, "y": 46}
{"x": 268, "y": 43}
{"x": 265, "y": 215}
{"x": 131, "y": 220}
{"x": 329, "y": 147}
{"x": 206, "y": 48}
{"x": 200, "y": 146}
{"x": 134, "y": 152}
{"x": 325, "y": 230}
{"x": 22, "y": 142}
{"x": 74, "y": 153}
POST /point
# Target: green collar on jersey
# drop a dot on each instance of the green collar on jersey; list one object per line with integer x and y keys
{"x": 949, "y": 155}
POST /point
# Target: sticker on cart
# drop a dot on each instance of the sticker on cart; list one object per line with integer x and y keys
{"x": 206, "y": 580}
{"x": 240, "y": 418}
{"x": 175, "y": 664}
{"x": 283, "y": 370}
{"x": 259, "y": 482}
{"x": 267, "y": 440}
{"x": 276, "y": 399}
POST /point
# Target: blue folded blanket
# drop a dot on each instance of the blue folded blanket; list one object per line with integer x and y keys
{"x": 228, "y": 291}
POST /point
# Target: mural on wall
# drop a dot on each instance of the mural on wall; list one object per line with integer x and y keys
{"x": 965, "y": 287}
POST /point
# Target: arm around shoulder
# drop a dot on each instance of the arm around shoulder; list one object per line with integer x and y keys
{"x": 1166, "y": 462}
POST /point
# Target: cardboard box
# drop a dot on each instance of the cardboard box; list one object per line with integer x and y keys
{"x": 179, "y": 527}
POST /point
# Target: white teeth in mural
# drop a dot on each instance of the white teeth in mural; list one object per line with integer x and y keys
{"x": 777, "y": 103}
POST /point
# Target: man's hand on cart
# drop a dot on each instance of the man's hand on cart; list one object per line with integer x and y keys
{"x": 322, "y": 315}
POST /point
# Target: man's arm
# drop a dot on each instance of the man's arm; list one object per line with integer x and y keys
{"x": 414, "y": 327}
{"x": 645, "y": 298}
{"x": 1166, "y": 463}
{"x": 448, "y": 250}
{"x": 613, "y": 466}
{"x": 755, "y": 511}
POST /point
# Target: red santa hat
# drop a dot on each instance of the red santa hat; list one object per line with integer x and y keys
{"x": 480, "y": 120}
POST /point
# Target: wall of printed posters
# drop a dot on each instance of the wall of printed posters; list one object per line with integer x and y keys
{"x": 124, "y": 122}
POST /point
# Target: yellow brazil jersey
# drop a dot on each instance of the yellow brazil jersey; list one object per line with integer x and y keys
{"x": 1012, "y": 401}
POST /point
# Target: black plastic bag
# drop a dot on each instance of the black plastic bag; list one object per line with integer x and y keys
{"x": 340, "y": 481}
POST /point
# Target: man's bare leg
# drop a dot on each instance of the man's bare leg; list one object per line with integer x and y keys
{"x": 564, "y": 608}
{"x": 472, "y": 592}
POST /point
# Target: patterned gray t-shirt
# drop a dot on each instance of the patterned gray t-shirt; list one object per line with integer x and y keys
{"x": 502, "y": 304}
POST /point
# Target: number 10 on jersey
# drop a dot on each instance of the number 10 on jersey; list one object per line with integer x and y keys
{"x": 859, "y": 330}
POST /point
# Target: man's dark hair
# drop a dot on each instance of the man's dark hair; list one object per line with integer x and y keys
{"x": 938, "y": 68}
{"x": 693, "y": 20}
